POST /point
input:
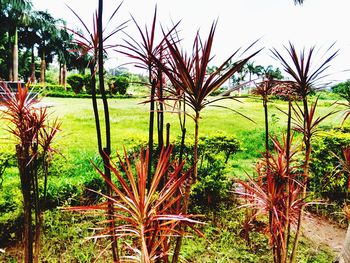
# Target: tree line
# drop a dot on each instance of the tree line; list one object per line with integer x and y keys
{"x": 31, "y": 39}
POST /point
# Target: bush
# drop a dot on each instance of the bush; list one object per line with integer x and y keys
{"x": 76, "y": 81}
{"x": 343, "y": 90}
{"x": 327, "y": 179}
{"x": 214, "y": 151}
{"x": 118, "y": 84}
{"x": 50, "y": 89}
{"x": 87, "y": 83}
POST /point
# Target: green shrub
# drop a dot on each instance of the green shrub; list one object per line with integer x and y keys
{"x": 213, "y": 185}
{"x": 327, "y": 95}
{"x": 50, "y": 89}
{"x": 327, "y": 179}
{"x": 76, "y": 81}
{"x": 87, "y": 83}
{"x": 118, "y": 84}
{"x": 218, "y": 91}
{"x": 343, "y": 90}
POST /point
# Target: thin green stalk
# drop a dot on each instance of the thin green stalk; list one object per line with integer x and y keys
{"x": 288, "y": 201}
{"x": 160, "y": 114}
{"x": 167, "y": 134}
{"x": 150, "y": 132}
{"x": 307, "y": 142}
{"x": 195, "y": 150}
{"x": 178, "y": 245}
{"x": 107, "y": 149}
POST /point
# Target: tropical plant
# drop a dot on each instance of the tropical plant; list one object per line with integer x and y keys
{"x": 93, "y": 44}
{"x": 48, "y": 33}
{"x": 188, "y": 76}
{"x": 276, "y": 193}
{"x": 307, "y": 77}
{"x": 16, "y": 13}
{"x": 144, "y": 53}
{"x": 34, "y": 134}
{"x": 149, "y": 215}
{"x": 192, "y": 86}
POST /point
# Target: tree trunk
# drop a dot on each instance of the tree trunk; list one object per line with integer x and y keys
{"x": 32, "y": 67}
{"x": 42, "y": 69}
{"x": 10, "y": 58}
{"x": 60, "y": 71}
{"x": 24, "y": 171}
{"x": 64, "y": 76}
{"x": 15, "y": 56}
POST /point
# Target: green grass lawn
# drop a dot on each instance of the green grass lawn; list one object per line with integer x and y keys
{"x": 129, "y": 120}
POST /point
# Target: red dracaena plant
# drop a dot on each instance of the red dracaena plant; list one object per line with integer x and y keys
{"x": 143, "y": 53}
{"x": 94, "y": 42}
{"x": 88, "y": 41}
{"x": 308, "y": 77}
{"x": 34, "y": 135}
{"x": 188, "y": 74}
{"x": 276, "y": 193}
{"x": 148, "y": 215}
{"x": 192, "y": 85}
{"x": 313, "y": 120}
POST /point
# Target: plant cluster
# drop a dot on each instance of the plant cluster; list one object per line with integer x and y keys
{"x": 280, "y": 191}
{"x": 34, "y": 135}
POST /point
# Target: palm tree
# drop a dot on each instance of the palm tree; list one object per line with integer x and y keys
{"x": 249, "y": 68}
{"x": 15, "y": 13}
{"x": 48, "y": 33}
{"x": 62, "y": 45}
{"x": 29, "y": 39}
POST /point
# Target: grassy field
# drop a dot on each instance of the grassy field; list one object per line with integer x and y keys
{"x": 129, "y": 120}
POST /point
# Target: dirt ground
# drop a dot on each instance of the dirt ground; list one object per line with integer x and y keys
{"x": 323, "y": 232}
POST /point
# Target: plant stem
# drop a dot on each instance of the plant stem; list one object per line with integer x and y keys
{"x": 195, "y": 150}
{"x": 107, "y": 149}
{"x": 307, "y": 140}
{"x": 150, "y": 132}
{"x": 288, "y": 201}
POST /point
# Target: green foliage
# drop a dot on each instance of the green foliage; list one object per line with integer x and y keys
{"x": 327, "y": 178}
{"x": 48, "y": 89}
{"x": 76, "y": 81}
{"x": 213, "y": 184}
{"x": 118, "y": 84}
{"x": 343, "y": 89}
{"x": 218, "y": 91}
{"x": 11, "y": 207}
{"x": 327, "y": 95}
{"x": 87, "y": 83}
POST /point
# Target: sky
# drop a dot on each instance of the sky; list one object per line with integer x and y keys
{"x": 240, "y": 23}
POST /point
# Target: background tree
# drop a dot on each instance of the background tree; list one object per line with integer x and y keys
{"x": 343, "y": 89}
{"x": 15, "y": 13}
{"x": 48, "y": 33}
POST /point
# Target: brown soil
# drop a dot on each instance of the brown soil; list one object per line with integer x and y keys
{"x": 323, "y": 232}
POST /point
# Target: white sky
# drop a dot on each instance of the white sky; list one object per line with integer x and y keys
{"x": 317, "y": 22}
